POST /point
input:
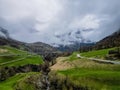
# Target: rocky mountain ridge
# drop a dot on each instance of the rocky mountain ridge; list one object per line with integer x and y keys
{"x": 110, "y": 41}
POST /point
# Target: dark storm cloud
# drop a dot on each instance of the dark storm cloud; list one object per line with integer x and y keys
{"x": 42, "y": 20}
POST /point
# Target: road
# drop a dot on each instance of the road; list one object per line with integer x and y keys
{"x": 99, "y": 60}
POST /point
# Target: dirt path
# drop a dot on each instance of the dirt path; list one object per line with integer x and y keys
{"x": 99, "y": 60}
{"x": 105, "y": 61}
{"x": 15, "y": 60}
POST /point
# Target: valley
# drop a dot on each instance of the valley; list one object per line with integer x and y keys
{"x": 59, "y": 45}
{"x": 68, "y": 73}
{"x": 73, "y": 73}
{"x": 39, "y": 66}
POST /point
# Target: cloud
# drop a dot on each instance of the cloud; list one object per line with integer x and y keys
{"x": 87, "y": 22}
{"x": 42, "y": 20}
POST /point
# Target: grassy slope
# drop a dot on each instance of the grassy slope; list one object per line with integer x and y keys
{"x": 18, "y": 78}
{"x": 96, "y": 53}
{"x": 10, "y": 83}
{"x": 94, "y": 79}
{"x": 73, "y": 56}
{"x": 11, "y": 50}
{"x": 32, "y": 59}
{"x": 91, "y": 74}
{"x": 36, "y": 60}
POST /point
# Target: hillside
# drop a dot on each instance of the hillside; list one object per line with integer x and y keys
{"x": 37, "y": 47}
{"x": 77, "y": 73}
{"x": 74, "y": 47}
{"x": 10, "y": 84}
{"x": 109, "y": 42}
{"x": 10, "y": 56}
{"x": 41, "y": 48}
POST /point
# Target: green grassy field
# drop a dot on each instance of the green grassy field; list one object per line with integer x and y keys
{"x": 10, "y": 56}
{"x": 93, "y": 79}
{"x": 11, "y": 50}
{"x": 36, "y": 60}
{"x": 93, "y": 75}
{"x": 85, "y": 73}
{"x": 96, "y": 54}
{"x": 89, "y": 74}
{"x": 11, "y": 83}
{"x": 18, "y": 57}
{"x": 73, "y": 56}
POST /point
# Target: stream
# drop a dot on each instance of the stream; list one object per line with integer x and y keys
{"x": 47, "y": 82}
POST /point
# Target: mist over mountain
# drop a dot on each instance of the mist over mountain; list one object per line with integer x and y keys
{"x": 4, "y": 33}
{"x": 59, "y": 22}
{"x": 72, "y": 37}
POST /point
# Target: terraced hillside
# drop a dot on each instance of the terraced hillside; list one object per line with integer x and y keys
{"x": 100, "y": 54}
{"x": 13, "y": 57}
{"x": 17, "y": 65}
{"x": 76, "y": 73}
{"x": 11, "y": 83}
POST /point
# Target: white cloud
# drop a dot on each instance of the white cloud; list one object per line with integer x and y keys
{"x": 43, "y": 11}
{"x": 89, "y": 21}
{"x": 58, "y": 17}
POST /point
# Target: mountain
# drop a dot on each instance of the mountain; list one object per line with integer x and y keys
{"x": 73, "y": 40}
{"x": 110, "y": 41}
{"x": 41, "y": 48}
{"x": 72, "y": 37}
{"x": 74, "y": 47}
{"x": 4, "y": 33}
{"x": 5, "y": 39}
{"x": 38, "y": 47}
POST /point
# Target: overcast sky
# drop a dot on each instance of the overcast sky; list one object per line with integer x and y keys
{"x": 42, "y": 20}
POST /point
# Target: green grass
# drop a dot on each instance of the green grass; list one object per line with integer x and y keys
{"x": 4, "y": 59}
{"x": 90, "y": 74}
{"x": 36, "y": 60}
{"x": 31, "y": 59}
{"x": 12, "y": 50}
{"x": 97, "y": 53}
{"x": 93, "y": 79}
{"x": 73, "y": 56}
{"x": 10, "y": 83}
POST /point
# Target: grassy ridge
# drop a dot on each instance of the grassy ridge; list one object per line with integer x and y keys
{"x": 15, "y": 55}
{"x": 73, "y": 56}
{"x": 89, "y": 74}
{"x": 97, "y": 53}
{"x": 93, "y": 79}
{"x": 92, "y": 75}
{"x": 10, "y": 83}
{"x": 36, "y": 60}
{"x": 11, "y": 50}
{"x": 4, "y": 59}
